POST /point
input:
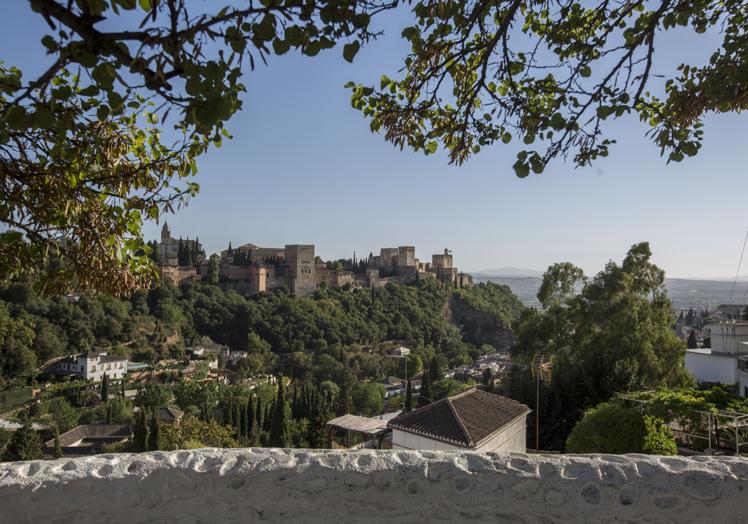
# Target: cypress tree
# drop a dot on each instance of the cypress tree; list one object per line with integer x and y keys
{"x": 154, "y": 439}
{"x": 316, "y": 428}
{"x": 251, "y": 421}
{"x": 692, "y": 343}
{"x": 487, "y": 376}
{"x": 58, "y": 448}
{"x": 279, "y": 424}
{"x": 180, "y": 252}
{"x": 408, "y": 398}
{"x": 268, "y": 417}
{"x": 345, "y": 398}
{"x": 105, "y": 388}
{"x": 259, "y": 415}
{"x": 435, "y": 372}
{"x": 140, "y": 438}
{"x": 425, "y": 396}
{"x": 122, "y": 388}
{"x": 238, "y": 424}
{"x": 108, "y": 413}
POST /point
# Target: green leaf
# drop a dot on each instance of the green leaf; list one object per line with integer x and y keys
{"x": 521, "y": 169}
{"x": 280, "y": 46}
{"x": 350, "y": 50}
{"x": 16, "y": 117}
{"x": 102, "y": 112}
{"x": 49, "y": 42}
{"x": 585, "y": 71}
{"x": 145, "y": 5}
{"x": 45, "y": 118}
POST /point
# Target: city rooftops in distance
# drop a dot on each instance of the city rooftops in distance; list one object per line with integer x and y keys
{"x": 467, "y": 419}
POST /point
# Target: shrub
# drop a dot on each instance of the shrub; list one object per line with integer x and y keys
{"x": 610, "y": 428}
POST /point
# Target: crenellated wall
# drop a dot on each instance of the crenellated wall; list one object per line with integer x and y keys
{"x": 212, "y": 485}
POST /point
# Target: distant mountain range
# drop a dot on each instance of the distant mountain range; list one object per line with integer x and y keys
{"x": 508, "y": 272}
{"x": 683, "y": 292}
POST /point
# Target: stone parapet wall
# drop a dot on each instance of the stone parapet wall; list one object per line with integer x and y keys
{"x": 249, "y": 485}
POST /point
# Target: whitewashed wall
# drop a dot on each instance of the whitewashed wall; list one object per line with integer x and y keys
{"x": 706, "y": 367}
{"x": 206, "y": 486}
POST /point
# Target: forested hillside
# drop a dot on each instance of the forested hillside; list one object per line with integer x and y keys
{"x": 164, "y": 320}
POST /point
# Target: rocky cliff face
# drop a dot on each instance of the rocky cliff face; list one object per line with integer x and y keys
{"x": 479, "y": 326}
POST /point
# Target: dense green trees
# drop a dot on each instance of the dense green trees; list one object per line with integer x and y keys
{"x": 161, "y": 322}
{"x": 605, "y": 335}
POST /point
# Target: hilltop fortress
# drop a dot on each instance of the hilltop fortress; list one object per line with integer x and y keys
{"x": 252, "y": 269}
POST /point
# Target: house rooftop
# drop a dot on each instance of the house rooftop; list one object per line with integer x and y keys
{"x": 465, "y": 419}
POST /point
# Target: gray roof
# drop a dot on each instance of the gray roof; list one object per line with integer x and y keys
{"x": 465, "y": 419}
{"x": 370, "y": 426}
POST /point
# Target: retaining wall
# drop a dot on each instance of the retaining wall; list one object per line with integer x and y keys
{"x": 248, "y": 485}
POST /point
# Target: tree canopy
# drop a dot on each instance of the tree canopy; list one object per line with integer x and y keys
{"x": 551, "y": 73}
{"x": 604, "y": 335}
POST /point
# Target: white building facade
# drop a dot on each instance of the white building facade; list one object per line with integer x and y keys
{"x": 723, "y": 361}
{"x": 93, "y": 366}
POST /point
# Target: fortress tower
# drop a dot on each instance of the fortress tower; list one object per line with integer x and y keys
{"x": 302, "y": 275}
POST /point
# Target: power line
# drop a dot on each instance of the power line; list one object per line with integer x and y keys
{"x": 740, "y": 262}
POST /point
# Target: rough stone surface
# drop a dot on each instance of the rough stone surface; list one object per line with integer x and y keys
{"x": 247, "y": 485}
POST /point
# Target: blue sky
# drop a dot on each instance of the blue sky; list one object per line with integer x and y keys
{"x": 304, "y": 168}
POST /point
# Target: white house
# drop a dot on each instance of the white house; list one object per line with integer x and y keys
{"x": 92, "y": 366}
{"x": 721, "y": 362}
{"x": 474, "y": 419}
{"x": 401, "y": 351}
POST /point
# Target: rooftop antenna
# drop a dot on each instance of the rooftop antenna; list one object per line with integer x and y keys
{"x": 541, "y": 372}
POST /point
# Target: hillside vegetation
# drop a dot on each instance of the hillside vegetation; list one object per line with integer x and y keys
{"x": 164, "y": 320}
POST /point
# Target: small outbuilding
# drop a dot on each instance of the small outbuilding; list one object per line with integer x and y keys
{"x": 474, "y": 419}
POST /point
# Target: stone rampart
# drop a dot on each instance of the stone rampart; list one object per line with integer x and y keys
{"x": 248, "y": 485}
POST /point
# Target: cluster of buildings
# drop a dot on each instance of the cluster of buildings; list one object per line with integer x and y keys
{"x": 499, "y": 363}
{"x": 252, "y": 269}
